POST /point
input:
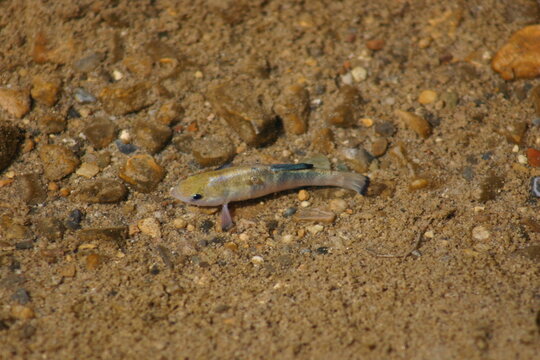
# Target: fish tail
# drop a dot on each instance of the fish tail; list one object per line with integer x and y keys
{"x": 354, "y": 181}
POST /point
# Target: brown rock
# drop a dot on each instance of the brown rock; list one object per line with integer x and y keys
{"x": 169, "y": 113}
{"x": 139, "y": 65}
{"x": 323, "y": 140}
{"x": 117, "y": 235}
{"x": 490, "y": 187}
{"x": 58, "y": 161}
{"x": 238, "y": 103}
{"x": 520, "y": 56}
{"x": 414, "y": 122}
{"x": 151, "y": 136}
{"x": 50, "y": 228}
{"x": 68, "y": 270}
{"x": 119, "y": 100}
{"x": 102, "y": 191}
{"x": 31, "y": 189}
{"x": 22, "y": 312}
{"x": 315, "y": 215}
{"x": 52, "y": 123}
{"x": 93, "y": 261}
{"x": 12, "y": 228}
{"x": 142, "y": 172}
{"x": 375, "y": 44}
{"x": 213, "y": 151}
{"x": 514, "y": 132}
{"x": 100, "y": 132}
{"x": 385, "y": 128}
{"x": 45, "y": 91}
{"x": 379, "y": 146}
{"x": 15, "y": 102}
{"x": 10, "y": 137}
{"x": 348, "y": 103}
{"x": 293, "y": 107}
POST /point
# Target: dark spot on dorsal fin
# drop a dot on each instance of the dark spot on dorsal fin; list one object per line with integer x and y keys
{"x": 290, "y": 167}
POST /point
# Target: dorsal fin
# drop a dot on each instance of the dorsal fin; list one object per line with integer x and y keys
{"x": 291, "y": 167}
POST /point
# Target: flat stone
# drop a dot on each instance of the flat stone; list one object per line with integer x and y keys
{"x": 100, "y": 132}
{"x": 520, "y": 56}
{"x": 142, "y": 172}
{"x": 323, "y": 140}
{"x": 45, "y": 90}
{"x": 103, "y": 191}
{"x": 238, "y": 103}
{"x": 357, "y": 158}
{"x": 140, "y": 64}
{"x": 379, "y": 146}
{"x": 213, "y": 151}
{"x": 481, "y": 233}
{"x": 10, "y": 138}
{"x": 88, "y": 170}
{"x": 385, "y": 128}
{"x": 151, "y": 136}
{"x": 30, "y": 189}
{"x": 116, "y": 235}
{"x": 344, "y": 114}
{"x": 293, "y": 107}
{"x": 15, "y": 102}
{"x": 52, "y": 123}
{"x": 169, "y": 113}
{"x": 50, "y": 228}
{"x": 315, "y": 215}
{"x": 88, "y": 62}
{"x": 122, "y": 100}
{"x": 58, "y": 161}
{"x": 82, "y": 96}
{"x": 415, "y": 122}
{"x": 490, "y": 186}
{"x": 150, "y": 227}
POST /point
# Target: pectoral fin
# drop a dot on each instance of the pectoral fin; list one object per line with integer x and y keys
{"x": 226, "y": 220}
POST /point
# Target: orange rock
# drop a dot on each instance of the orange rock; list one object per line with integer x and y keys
{"x": 520, "y": 56}
{"x": 15, "y": 102}
{"x": 533, "y": 156}
{"x": 376, "y": 44}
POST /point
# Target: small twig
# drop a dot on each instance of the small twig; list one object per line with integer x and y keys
{"x": 415, "y": 247}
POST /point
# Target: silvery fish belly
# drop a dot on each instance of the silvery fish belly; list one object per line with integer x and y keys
{"x": 221, "y": 187}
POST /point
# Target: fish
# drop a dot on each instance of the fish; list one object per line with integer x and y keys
{"x": 223, "y": 186}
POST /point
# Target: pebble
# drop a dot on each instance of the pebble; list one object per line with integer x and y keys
{"x": 375, "y": 44}
{"x": 89, "y": 62}
{"x": 102, "y": 191}
{"x": 213, "y": 151}
{"x": 520, "y": 56}
{"x": 10, "y": 138}
{"x": 74, "y": 219}
{"x": 480, "y": 233}
{"x": 150, "y": 227}
{"x": 257, "y": 260}
{"x": 30, "y": 189}
{"x": 379, "y": 146}
{"x": 338, "y": 205}
{"x": 418, "y": 183}
{"x": 52, "y": 123}
{"x": 348, "y": 103}
{"x": 22, "y": 312}
{"x": 50, "y": 228}
{"x": 367, "y": 122}
{"x": 289, "y": 212}
{"x": 93, "y": 261}
{"x": 68, "y": 270}
{"x": 58, "y": 161}
{"x": 303, "y": 195}
{"x": 427, "y": 97}
{"x": 82, "y": 96}
{"x": 450, "y": 99}
{"x": 179, "y": 223}
{"x": 122, "y": 100}
{"x": 359, "y": 74}
{"x": 385, "y": 128}
{"x": 315, "y": 215}
{"x": 415, "y": 122}
{"x": 315, "y": 229}
{"x": 45, "y": 90}
{"x": 357, "y": 158}
{"x": 116, "y": 235}
{"x": 323, "y": 140}
{"x": 21, "y": 296}
{"x": 140, "y": 65}
{"x": 100, "y": 132}
{"x": 142, "y": 172}
{"x": 515, "y": 132}
{"x": 169, "y": 113}
{"x": 535, "y": 186}
{"x": 490, "y": 186}
{"x": 15, "y": 102}
{"x": 87, "y": 170}
{"x": 151, "y": 136}
{"x": 238, "y": 103}
{"x": 522, "y": 159}
{"x": 305, "y": 204}
{"x": 293, "y": 106}
{"x": 125, "y": 148}
{"x": 533, "y": 156}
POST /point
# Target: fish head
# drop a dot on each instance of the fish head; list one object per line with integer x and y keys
{"x": 198, "y": 190}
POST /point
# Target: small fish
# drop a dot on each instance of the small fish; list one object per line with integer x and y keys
{"x": 220, "y": 187}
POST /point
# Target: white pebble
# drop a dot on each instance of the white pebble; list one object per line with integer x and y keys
{"x": 125, "y": 136}
{"x": 305, "y": 203}
{"x": 359, "y": 73}
{"x": 287, "y": 239}
{"x": 315, "y": 229}
{"x": 257, "y": 260}
{"x": 515, "y": 149}
{"x": 480, "y": 233}
{"x": 522, "y": 159}
{"x": 117, "y": 75}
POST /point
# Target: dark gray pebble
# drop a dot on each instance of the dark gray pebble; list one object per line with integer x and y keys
{"x": 24, "y": 245}
{"x": 289, "y": 212}
{"x": 206, "y": 226}
{"x": 83, "y": 97}
{"x": 323, "y": 250}
{"x": 73, "y": 113}
{"x": 125, "y": 148}
{"x": 21, "y": 296}
{"x": 535, "y": 186}
{"x": 468, "y": 173}
{"x": 74, "y": 219}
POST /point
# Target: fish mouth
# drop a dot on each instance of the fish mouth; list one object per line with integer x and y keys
{"x": 176, "y": 194}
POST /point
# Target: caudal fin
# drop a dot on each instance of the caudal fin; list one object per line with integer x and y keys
{"x": 356, "y": 182}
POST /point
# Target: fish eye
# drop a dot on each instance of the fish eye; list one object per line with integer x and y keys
{"x": 196, "y": 197}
